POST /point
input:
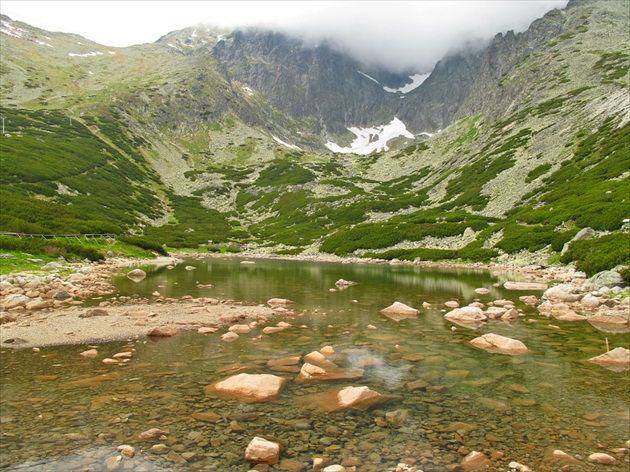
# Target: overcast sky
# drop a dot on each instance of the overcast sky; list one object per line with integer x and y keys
{"x": 407, "y": 35}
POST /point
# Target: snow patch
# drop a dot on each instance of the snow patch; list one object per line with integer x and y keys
{"x": 369, "y": 140}
{"x": 290, "y": 146}
{"x": 371, "y": 78}
{"x": 10, "y": 33}
{"x": 42, "y": 43}
{"x": 220, "y": 37}
{"x": 87, "y": 54}
{"x": 416, "y": 81}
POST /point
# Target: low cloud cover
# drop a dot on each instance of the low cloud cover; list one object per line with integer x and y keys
{"x": 402, "y": 36}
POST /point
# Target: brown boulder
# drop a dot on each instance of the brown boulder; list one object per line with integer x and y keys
{"x": 163, "y": 331}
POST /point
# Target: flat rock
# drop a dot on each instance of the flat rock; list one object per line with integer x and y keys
{"x": 498, "y": 344}
{"x": 525, "y": 286}
{"x": 249, "y": 388}
{"x": 356, "y": 398}
{"x": 314, "y": 373}
{"x": 279, "y": 302}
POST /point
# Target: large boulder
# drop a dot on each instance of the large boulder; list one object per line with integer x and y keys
{"x": 562, "y": 293}
{"x": 498, "y": 344}
{"x": 14, "y": 301}
{"x": 611, "y": 320}
{"x": 249, "y": 388}
{"x": 607, "y": 278}
{"x": 583, "y": 234}
{"x": 262, "y": 451}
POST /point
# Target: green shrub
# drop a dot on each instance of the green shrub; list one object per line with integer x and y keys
{"x": 595, "y": 255}
{"x": 143, "y": 243}
{"x": 51, "y": 247}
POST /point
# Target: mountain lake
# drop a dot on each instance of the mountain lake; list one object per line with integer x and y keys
{"x": 69, "y": 413}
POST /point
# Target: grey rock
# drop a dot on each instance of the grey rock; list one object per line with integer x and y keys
{"x": 607, "y": 278}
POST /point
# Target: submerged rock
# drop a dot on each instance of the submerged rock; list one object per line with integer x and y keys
{"x": 153, "y": 433}
{"x": 475, "y": 461}
{"x": 344, "y": 283}
{"x": 607, "y": 278}
{"x": 356, "y": 398}
{"x": 601, "y": 458}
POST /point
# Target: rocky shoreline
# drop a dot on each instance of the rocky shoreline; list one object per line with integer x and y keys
{"x": 47, "y": 308}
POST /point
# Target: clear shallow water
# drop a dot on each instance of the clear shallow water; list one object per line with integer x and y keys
{"x": 458, "y": 398}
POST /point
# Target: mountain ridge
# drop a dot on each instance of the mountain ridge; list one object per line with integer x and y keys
{"x": 224, "y": 147}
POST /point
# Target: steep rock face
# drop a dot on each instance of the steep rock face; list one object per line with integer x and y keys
{"x": 434, "y": 104}
{"x": 492, "y": 93}
{"x": 324, "y": 88}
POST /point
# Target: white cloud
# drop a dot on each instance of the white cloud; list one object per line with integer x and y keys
{"x": 401, "y": 35}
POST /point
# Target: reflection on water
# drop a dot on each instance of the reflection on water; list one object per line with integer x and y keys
{"x": 64, "y": 412}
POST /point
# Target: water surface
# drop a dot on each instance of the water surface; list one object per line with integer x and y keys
{"x": 458, "y": 398}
